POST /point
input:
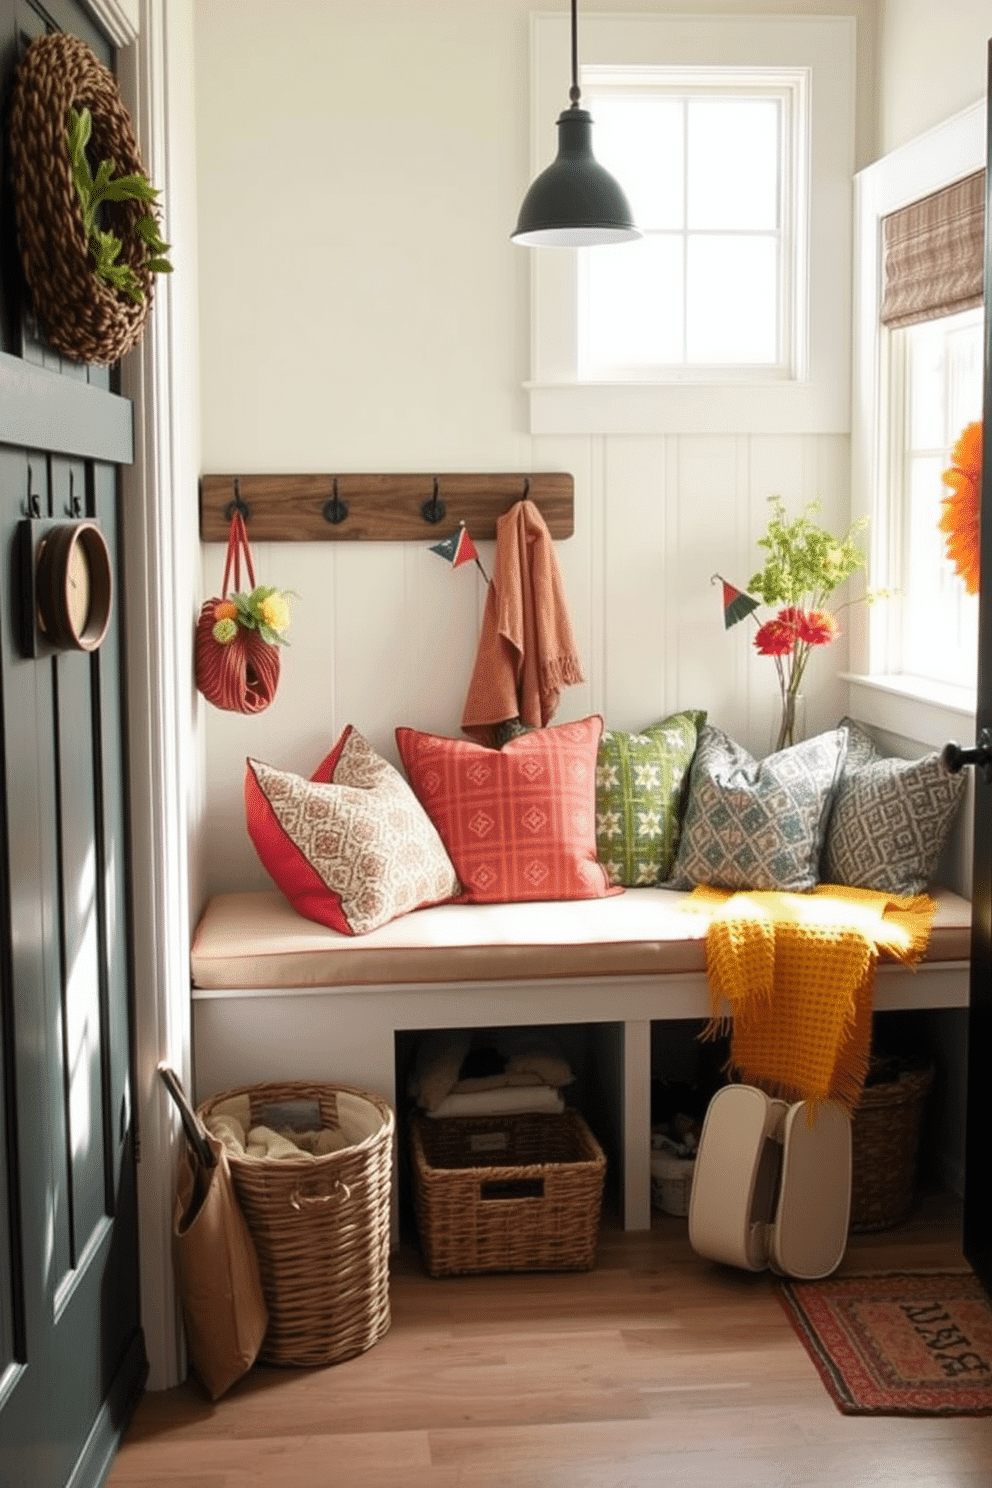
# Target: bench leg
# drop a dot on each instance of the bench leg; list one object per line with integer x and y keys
{"x": 636, "y": 1126}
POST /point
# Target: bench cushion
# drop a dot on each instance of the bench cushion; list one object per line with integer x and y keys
{"x": 256, "y": 940}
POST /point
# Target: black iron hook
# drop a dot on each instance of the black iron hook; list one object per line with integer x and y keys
{"x": 75, "y": 507}
{"x": 335, "y": 510}
{"x": 434, "y": 511}
{"x": 34, "y": 500}
{"x": 238, "y": 504}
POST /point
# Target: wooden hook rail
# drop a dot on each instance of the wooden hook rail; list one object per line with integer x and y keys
{"x": 377, "y": 508}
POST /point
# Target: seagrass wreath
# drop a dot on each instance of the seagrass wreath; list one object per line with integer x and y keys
{"x": 85, "y": 316}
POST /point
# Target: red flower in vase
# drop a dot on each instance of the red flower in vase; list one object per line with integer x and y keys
{"x": 817, "y": 627}
{"x": 776, "y": 637}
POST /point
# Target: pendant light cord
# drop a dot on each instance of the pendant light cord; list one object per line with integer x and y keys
{"x": 575, "y": 92}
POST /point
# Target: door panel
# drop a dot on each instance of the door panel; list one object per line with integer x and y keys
{"x": 978, "y": 1165}
{"x": 71, "y": 1350}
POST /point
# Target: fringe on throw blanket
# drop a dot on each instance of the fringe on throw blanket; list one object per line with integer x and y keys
{"x": 798, "y": 974}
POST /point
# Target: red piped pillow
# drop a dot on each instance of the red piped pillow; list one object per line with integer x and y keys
{"x": 518, "y": 822}
{"x": 352, "y": 847}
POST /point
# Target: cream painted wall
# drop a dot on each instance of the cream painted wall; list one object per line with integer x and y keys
{"x": 933, "y": 63}
{"x": 362, "y": 308}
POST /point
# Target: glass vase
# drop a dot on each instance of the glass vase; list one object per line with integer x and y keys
{"x": 792, "y": 722}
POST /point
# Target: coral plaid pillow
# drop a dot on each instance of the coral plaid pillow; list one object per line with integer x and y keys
{"x": 518, "y": 822}
{"x": 351, "y": 848}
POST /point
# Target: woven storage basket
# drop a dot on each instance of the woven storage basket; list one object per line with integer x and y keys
{"x": 320, "y": 1226}
{"x": 507, "y": 1193}
{"x": 671, "y": 1182}
{"x": 885, "y": 1138}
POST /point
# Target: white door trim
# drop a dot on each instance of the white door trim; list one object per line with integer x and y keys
{"x": 161, "y": 579}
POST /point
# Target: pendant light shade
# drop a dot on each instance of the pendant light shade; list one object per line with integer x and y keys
{"x": 575, "y": 203}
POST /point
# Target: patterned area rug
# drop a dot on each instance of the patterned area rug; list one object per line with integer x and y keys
{"x": 903, "y": 1344}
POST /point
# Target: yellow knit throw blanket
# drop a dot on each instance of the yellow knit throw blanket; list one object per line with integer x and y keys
{"x": 798, "y": 971}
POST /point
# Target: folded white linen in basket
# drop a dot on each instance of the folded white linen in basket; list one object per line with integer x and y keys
{"x": 507, "y": 1100}
{"x": 530, "y": 1060}
{"x": 227, "y": 1122}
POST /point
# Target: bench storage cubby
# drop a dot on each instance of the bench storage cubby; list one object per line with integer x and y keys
{"x": 278, "y": 997}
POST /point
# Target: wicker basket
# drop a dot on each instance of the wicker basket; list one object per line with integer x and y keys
{"x": 885, "y": 1136}
{"x": 671, "y": 1182}
{"x": 507, "y": 1193}
{"x": 320, "y": 1225}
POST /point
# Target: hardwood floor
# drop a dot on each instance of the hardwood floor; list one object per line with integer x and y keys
{"x": 656, "y": 1368}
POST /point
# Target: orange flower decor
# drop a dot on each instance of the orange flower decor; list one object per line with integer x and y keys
{"x": 962, "y": 508}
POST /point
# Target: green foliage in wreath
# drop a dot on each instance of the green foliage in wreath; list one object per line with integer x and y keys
{"x": 92, "y": 191}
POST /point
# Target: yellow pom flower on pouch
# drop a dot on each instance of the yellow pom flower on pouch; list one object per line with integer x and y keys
{"x": 266, "y": 610}
{"x": 274, "y": 610}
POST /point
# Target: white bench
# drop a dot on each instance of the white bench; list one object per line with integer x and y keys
{"x": 277, "y": 997}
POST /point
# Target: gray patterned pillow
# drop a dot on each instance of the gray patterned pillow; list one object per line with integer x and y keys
{"x": 753, "y": 824}
{"x": 890, "y": 818}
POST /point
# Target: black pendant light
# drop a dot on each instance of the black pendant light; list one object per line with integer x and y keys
{"x": 575, "y": 203}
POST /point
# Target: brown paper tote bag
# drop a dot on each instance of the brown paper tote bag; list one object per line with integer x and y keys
{"x": 214, "y": 1259}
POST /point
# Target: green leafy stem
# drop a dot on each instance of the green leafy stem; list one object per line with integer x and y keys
{"x": 92, "y": 191}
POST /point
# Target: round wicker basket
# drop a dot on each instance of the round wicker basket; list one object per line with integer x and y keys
{"x": 885, "y": 1138}
{"x": 320, "y": 1225}
{"x": 81, "y": 315}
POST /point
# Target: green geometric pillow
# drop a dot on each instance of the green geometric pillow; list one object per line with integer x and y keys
{"x": 640, "y": 781}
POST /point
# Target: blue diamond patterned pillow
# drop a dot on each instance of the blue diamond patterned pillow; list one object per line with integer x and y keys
{"x": 757, "y": 824}
{"x": 890, "y": 818}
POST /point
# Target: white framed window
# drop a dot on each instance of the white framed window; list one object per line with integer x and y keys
{"x": 934, "y": 391}
{"x": 733, "y": 313}
{"x": 915, "y": 387}
{"x": 713, "y": 165}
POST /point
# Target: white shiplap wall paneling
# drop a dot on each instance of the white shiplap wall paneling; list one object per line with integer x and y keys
{"x": 636, "y": 613}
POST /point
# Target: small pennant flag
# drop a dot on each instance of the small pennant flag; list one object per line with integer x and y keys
{"x": 459, "y": 548}
{"x": 736, "y": 604}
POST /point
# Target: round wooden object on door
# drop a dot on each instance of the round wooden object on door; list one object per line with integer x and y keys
{"x": 74, "y": 586}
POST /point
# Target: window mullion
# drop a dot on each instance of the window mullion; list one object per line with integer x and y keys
{"x": 685, "y": 231}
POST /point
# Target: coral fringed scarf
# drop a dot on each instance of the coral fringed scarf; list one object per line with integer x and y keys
{"x": 798, "y": 971}
{"x": 527, "y": 651}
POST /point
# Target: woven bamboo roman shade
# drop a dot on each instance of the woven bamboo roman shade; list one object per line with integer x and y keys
{"x": 933, "y": 253}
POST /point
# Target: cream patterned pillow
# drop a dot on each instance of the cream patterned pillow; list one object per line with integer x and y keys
{"x": 757, "y": 824}
{"x": 352, "y": 847}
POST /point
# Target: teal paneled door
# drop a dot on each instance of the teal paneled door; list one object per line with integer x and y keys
{"x": 72, "y": 1360}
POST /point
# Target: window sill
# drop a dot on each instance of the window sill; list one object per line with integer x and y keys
{"x": 745, "y": 407}
{"x": 927, "y": 712}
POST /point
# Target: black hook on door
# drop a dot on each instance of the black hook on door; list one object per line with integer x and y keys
{"x": 75, "y": 507}
{"x": 34, "y": 500}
